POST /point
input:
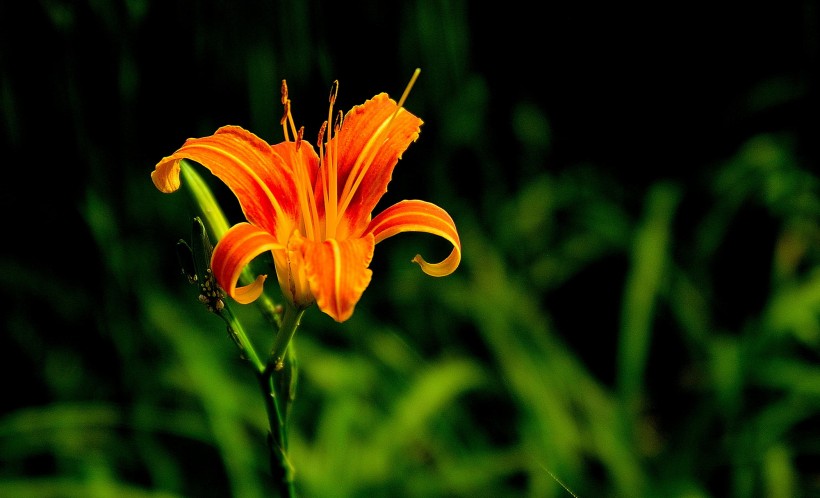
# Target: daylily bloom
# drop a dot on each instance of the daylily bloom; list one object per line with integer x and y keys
{"x": 314, "y": 211}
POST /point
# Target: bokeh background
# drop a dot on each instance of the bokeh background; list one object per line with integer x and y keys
{"x": 638, "y": 308}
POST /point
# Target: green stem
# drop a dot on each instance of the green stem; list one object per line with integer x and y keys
{"x": 281, "y": 468}
{"x": 277, "y": 384}
{"x": 290, "y": 322}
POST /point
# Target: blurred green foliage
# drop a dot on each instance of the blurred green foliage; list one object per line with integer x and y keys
{"x": 638, "y": 308}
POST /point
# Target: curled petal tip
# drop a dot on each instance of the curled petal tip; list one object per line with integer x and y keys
{"x": 166, "y": 175}
{"x": 251, "y": 292}
{"x": 442, "y": 269}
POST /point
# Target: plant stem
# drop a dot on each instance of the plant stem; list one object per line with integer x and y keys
{"x": 277, "y": 382}
{"x": 290, "y": 322}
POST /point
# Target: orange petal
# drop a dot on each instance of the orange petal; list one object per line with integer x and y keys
{"x": 260, "y": 176}
{"x": 338, "y": 274}
{"x": 420, "y": 216}
{"x": 290, "y": 268}
{"x": 166, "y": 175}
{"x": 364, "y": 138}
{"x": 241, "y": 244}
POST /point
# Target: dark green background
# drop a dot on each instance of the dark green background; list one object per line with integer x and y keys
{"x": 638, "y": 308}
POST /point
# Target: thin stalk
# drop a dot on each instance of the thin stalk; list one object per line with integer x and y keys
{"x": 277, "y": 382}
{"x": 290, "y": 322}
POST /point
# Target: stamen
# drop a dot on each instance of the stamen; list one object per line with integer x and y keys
{"x": 304, "y": 187}
{"x": 290, "y": 120}
{"x": 334, "y": 92}
{"x": 299, "y": 136}
{"x": 284, "y": 120}
{"x": 329, "y": 176}
{"x": 304, "y": 184}
{"x": 322, "y": 167}
{"x": 321, "y": 137}
{"x": 332, "y": 207}
{"x": 287, "y": 117}
{"x": 286, "y": 104}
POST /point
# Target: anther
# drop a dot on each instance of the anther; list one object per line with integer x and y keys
{"x": 334, "y": 91}
{"x": 340, "y": 117}
{"x": 321, "y": 135}
{"x": 299, "y": 136}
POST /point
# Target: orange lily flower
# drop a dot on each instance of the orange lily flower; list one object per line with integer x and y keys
{"x": 314, "y": 211}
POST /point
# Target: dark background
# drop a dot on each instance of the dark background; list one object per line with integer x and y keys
{"x": 636, "y": 191}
